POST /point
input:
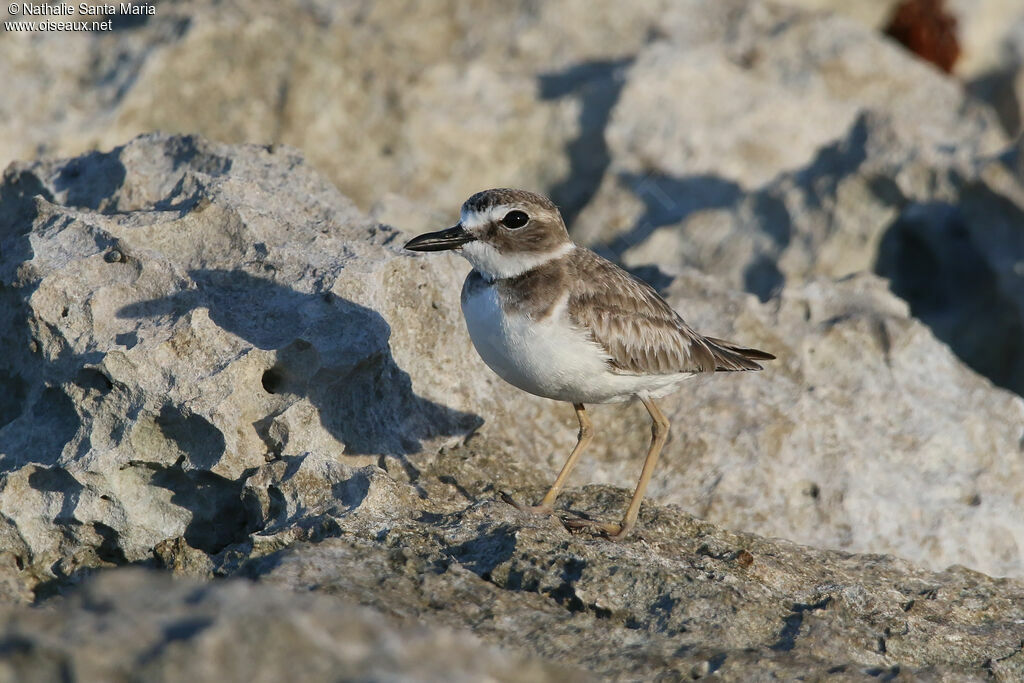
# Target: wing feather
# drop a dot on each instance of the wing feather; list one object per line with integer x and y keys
{"x": 640, "y": 332}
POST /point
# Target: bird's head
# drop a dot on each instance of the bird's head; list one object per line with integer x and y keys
{"x": 503, "y": 233}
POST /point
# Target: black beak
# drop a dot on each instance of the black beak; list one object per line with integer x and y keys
{"x": 440, "y": 240}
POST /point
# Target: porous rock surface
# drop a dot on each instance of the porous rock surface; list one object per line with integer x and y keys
{"x": 215, "y": 364}
{"x": 689, "y": 600}
{"x": 181, "y": 313}
{"x": 766, "y": 142}
{"x": 380, "y": 80}
{"x": 167, "y": 630}
{"x": 841, "y": 153}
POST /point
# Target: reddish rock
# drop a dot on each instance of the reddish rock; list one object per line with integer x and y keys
{"x": 927, "y": 29}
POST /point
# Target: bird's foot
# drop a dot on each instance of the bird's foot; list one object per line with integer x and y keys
{"x": 538, "y": 510}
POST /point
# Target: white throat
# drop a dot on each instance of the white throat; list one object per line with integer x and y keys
{"x": 494, "y": 265}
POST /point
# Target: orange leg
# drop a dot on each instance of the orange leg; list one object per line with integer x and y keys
{"x": 586, "y": 434}
{"x": 659, "y": 434}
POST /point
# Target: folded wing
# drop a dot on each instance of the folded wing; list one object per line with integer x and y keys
{"x": 638, "y": 330}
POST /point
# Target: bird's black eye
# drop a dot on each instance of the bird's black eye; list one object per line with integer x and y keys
{"x": 515, "y": 219}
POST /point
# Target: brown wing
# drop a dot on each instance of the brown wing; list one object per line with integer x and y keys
{"x": 638, "y": 329}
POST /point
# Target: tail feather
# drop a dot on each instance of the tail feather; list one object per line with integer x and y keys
{"x": 730, "y": 357}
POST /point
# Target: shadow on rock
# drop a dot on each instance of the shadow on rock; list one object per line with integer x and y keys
{"x": 91, "y": 179}
{"x": 328, "y": 349}
{"x": 24, "y": 395}
{"x": 219, "y": 517}
{"x": 17, "y": 213}
{"x": 668, "y": 200}
{"x": 932, "y": 262}
{"x": 598, "y": 85}
{"x": 482, "y": 555}
{"x": 59, "y": 481}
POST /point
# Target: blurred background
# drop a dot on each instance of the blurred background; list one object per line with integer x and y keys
{"x": 765, "y": 143}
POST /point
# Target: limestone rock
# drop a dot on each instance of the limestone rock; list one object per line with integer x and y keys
{"x": 203, "y": 341}
{"x": 791, "y": 107}
{"x": 371, "y": 593}
{"x": 365, "y": 89}
{"x": 959, "y": 262}
{"x": 867, "y": 426}
{"x": 984, "y": 27}
{"x": 176, "y": 314}
{"x": 821, "y": 169}
{"x": 766, "y": 142}
{"x": 685, "y": 599}
{"x": 131, "y": 624}
{"x": 215, "y": 363}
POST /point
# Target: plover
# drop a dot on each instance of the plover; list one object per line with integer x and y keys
{"x": 555, "y": 319}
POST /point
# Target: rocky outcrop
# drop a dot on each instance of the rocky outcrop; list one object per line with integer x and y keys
{"x": 211, "y": 339}
{"x": 186, "y": 317}
{"x": 378, "y": 594}
{"x": 687, "y": 599}
{"x": 216, "y": 365}
{"x": 167, "y": 630}
{"x": 765, "y": 142}
{"x": 900, "y": 173}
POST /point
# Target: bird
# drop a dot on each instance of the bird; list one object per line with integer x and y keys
{"x": 557, "y": 320}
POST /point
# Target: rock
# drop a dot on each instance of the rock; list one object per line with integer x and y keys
{"x": 671, "y": 158}
{"x": 959, "y": 262}
{"x": 135, "y": 624}
{"x": 210, "y": 393}
{"x": 365, "y": 90}
{"x": 216, "y": 364}
{"x": 947, "y": 237}
{"x": 686, "y": 597}
{"x": 873, "y": 13}
{"x": 763, "y": 206}
{"x": 756, "y": 140}
{"x": 833, "y": 432}
{"x": 468, "y": 593}
{"x": 983, "y": 27}
{"x": 143, "y": 389}
{"x": 248, "y": 316}
{"x": 989, "y": 33}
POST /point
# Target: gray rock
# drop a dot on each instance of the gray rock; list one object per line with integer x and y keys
{"x": 984, "y": 27}
{"x": 959, "y": 262}
{"x": 825, "y": 172}
{"x": 366, "y": 90}
{"x": 349, "y": 562}
{"x": 863, "y": 401}
{"x": 137, "y": 405}
{"x": 947, "y": 236}
{"x": 764, "y": 142}
{"x": 214, "y": 363}
{"x": 136, "y": 625}
{"x": 685, "y": 598}
{"x": 801, "y": 114}
{"x": 203, "y": 340}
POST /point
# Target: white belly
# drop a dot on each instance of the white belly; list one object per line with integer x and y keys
{"x": 549, "y": 357}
